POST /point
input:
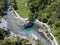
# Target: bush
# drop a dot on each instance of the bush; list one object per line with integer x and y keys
{"x": 57, "y": 24}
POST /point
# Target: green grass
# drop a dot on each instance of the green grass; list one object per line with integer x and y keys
{"x": 22, "y": 8}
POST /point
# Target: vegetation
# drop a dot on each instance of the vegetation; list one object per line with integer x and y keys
{"x": 1, "y": 7}
{"x": 51, "y": 16}
{"x": 22, "y": 8}
{"x": 14, "y": 4}
{"x": 2, "y": 33}
{"x": 38, "y": 43}
{"x": 17, "y": 41}
{"x": 5, "y": 39}
{"x": 37, "y": 5}
{"x": 48, "y": 11}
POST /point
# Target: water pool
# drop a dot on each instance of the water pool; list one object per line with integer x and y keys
{"x": 30, "y": 30}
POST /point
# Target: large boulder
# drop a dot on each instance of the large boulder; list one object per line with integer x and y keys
{"x": 28, "y": 25}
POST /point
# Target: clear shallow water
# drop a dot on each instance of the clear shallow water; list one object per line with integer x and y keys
{"x": 31, "y": 30}
{"x": 28, "y": 30}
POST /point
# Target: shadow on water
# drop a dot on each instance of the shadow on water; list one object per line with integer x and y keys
{"x": 27, "y": 30}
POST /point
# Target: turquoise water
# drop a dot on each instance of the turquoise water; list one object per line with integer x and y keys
{"x": 28, "y": 30}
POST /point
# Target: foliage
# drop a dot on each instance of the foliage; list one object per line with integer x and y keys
{"x": 14, "y": 41}
{"x": 38, "y": 43}
{"x": 14, "y": 4}
{"x": 48, "y": 11}
{"x": 38, "y": 5}
{"x": 23, "y": 10}
{"x": 2, "y": 33}
{"x": 1, "y": 6}
{"x": 52, "y": 14}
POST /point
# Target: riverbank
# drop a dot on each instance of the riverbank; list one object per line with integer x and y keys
{"x": 54, "y": 42}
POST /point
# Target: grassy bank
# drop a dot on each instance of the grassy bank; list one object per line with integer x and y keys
{"x": 22, "y": 8}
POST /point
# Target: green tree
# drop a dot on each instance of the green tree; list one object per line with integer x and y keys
{"x": 2, "y": 33}
{"x": 1, "y": 6}
{"x": 37, "y": 5}
{"x": 15, "y": 5}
